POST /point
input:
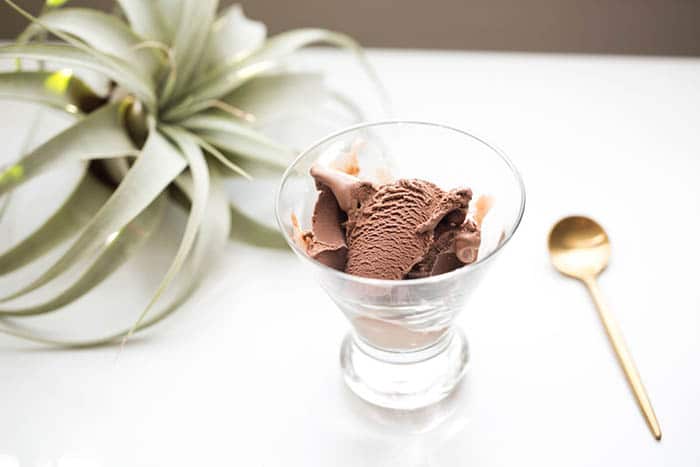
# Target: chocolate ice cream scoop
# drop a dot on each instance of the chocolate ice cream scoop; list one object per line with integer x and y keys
{"x": 349, "y": 191}
{"x": 327, "y": 244}
{"x": 395, "y": 230}
{"x": 338, "y": 193}
{"x": 400, "y": 230}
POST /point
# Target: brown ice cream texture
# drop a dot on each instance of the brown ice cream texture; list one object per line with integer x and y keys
{"x": 406, "y": 229}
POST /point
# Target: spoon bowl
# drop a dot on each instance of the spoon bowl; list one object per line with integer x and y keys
{"x": 579, "y": 247}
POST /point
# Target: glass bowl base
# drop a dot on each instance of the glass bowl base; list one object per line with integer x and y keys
{"x": 404, "y": 380}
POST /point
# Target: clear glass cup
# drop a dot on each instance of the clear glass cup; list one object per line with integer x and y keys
{"x": 403, "y": 351}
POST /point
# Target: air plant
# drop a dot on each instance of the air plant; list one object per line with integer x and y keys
{"x": 176, "y": 120}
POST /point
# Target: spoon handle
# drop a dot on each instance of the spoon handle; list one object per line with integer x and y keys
{"x": 624, "y": 357}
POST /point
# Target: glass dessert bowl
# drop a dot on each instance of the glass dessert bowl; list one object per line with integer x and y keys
{"x": 403, "y": 351}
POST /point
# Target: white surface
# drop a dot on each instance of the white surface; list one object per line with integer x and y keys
{"x": 247, "y": 373}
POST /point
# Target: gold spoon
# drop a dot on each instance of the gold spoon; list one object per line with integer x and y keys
{"x": 579, "y": 248}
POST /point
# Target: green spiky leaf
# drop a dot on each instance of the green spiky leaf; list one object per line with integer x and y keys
{"x": 233, "y": 136}
{"x": 84, "y": 202}
{"x": 105, "y": 33}
{"x": 212, "y": 237}
{"x": 200, "y": 191}
{"x": 118, "y": 250}
{"x": 116, "y": 69}
{"x": 193, "y": 27}
{"x": 273, "y": 96}
{"x": 100, "y": 134}
{"x": 232, "y": 37}
{"x": 58, "y": 89}
{"x": 155, "y": 168}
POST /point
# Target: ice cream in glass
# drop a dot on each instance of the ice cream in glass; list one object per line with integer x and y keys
{"x": 399, "y": 221}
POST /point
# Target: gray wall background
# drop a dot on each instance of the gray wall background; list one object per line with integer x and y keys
{"x": 654, "y": 27}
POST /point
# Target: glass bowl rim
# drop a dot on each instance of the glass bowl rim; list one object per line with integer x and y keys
{"x": 394, "y": 282}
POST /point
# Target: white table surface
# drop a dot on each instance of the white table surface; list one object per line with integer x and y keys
{"x": 247, "y": 373}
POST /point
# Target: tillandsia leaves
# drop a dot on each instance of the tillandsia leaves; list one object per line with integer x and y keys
{"x": 264, "y": 96}
{"x": 188, "y": 90}
{"x": 145, "y": 19}
{"x": 119, "y": 69}
{"x": 220, "y": 80}
{"x": 200, "y": 191}
{"x": 194, "y": 23}
{"x": 137, "y": 82}
{"x": 115, "y": 253}
{"x": 230, "y": 135}
{"x": 98, "y": 135}
{"x": 105, "y": 33}
{"x": 232, "y": 37}
{"x": 82, "y": 204}
{"x": 60, "y": 89}
{"x": 155, "y": 168}
{"x": 211, "y": 239}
